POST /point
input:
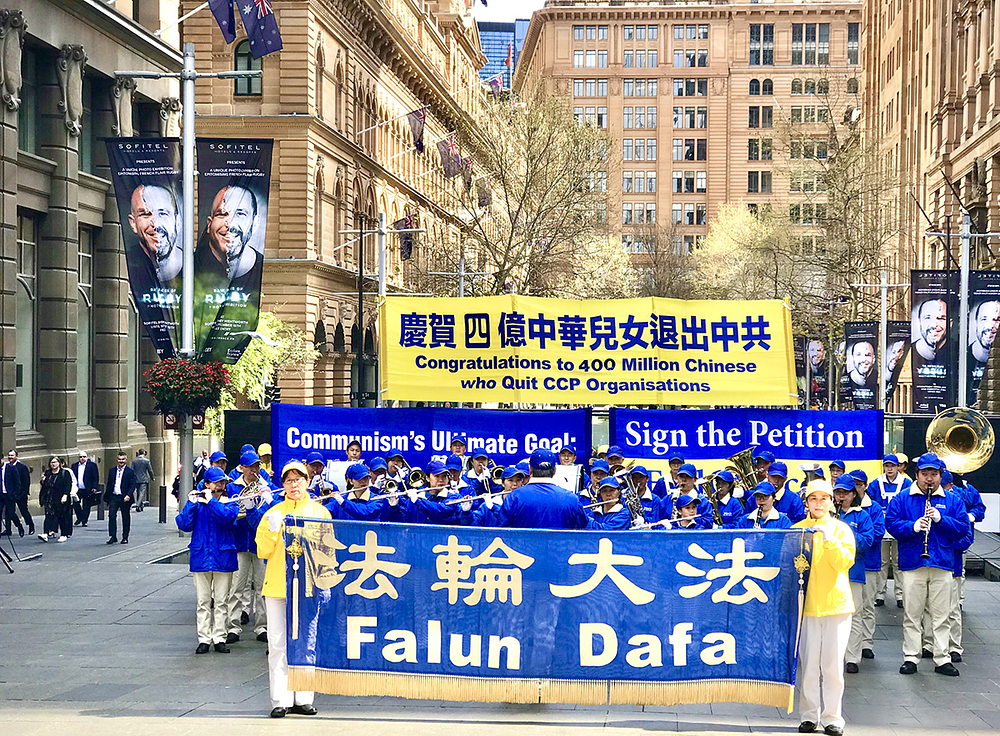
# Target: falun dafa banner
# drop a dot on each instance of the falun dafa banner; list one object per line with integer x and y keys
{"x": 619, "y": 352}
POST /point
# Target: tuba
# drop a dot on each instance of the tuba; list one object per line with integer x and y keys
{"x": 742, "y": 467}
{"x": 962, "y": 438}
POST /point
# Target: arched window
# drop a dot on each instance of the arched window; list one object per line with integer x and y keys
{"x": 823, "y": 87}
{"x": 246, "y": 86}
{"x": 796, "y": 86}
{"x": 810, "y": 86}
{"x": 767, "y": 87}
{"x": 755, "y": 86}
{"x": 852, "y": 86}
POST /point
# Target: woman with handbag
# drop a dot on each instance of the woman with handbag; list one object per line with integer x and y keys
{"x": 56, "y": 497}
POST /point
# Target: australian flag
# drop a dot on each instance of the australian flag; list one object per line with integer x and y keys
{"x": 417, "y": 119}
{"x": 451, "y": 162}
{"x": 258, "y": 19}
{"x": 405, "y": 239}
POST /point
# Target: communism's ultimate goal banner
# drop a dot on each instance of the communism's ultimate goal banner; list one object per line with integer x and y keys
{"x": 630, "y": 351}
{"x": 528, "y": 616}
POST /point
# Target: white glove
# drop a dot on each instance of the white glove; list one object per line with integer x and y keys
{"x": 267, "y": 496}
{"x": 411, "y": 494}
{"x": 193, "y": 497}
{"x": 466, "y": 506}
{"x": 65, "y": 498}
{"x": 935, "y": 515}
{"x": 972, "y": 518}
{"x": 338, "y": 497}
{"x": 922, "y": 524}
{"x": 393, "y": 500}
{"x": 488, "y": 501}
{"x": 273, "y": 520}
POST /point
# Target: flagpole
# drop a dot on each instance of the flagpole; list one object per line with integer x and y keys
{"x": 180, "y": 20}
{"x": 411, "y": 150}
{"x": 386, "y": 122}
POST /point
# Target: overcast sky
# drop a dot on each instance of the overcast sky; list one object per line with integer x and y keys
{"x": 506, "y": 10}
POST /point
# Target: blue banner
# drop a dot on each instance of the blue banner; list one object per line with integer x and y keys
{"x": 423, "y": 434}
{"x": 852, "y": 436}
{"x": 515, "y": 615}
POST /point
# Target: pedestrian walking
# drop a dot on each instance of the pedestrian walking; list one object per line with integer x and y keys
{"x": 57, "y": 496}
{"x": 143, "y": 477}
{"x": 24, "y": 486}
{"x": 119, "y": 494}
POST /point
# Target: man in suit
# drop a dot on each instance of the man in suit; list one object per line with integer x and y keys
{"x": 24, "y": 481}
{"x": 119, "y": 494}
{"x": 86, "y": 479}
{"x": 10, "y": 492}
{"x": 143, "y": 477}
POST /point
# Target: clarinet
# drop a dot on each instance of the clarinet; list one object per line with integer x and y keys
{"x": 756, "y": 522}
{"x": 927, "y": 532}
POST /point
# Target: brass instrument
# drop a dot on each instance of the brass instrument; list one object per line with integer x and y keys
{"x": 742, "y": 467}
{"x": 415, "y": 479}
{"x": 251, "y": 493}
{"x": 390, "y": 486}
{"x": 496, "y": 475}
{"x": 709, "y": 480}
{"x": 809, "y": 470}
{"x": 617, "y": 470}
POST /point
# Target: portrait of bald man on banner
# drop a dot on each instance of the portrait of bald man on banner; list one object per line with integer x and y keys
{"x": 984, "y": 319}
{"x": 228, "y": 246}
{"x": 860, "y": 362}
{"x": 929, "y": 329}
{"x": 155, "y": 220}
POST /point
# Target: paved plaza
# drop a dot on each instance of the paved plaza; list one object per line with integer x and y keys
{"x": 96, "y": 640}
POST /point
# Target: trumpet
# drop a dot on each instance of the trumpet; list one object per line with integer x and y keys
{"x": 415, "y": 479}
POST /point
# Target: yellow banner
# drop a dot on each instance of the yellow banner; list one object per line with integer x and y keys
{"x": 629, "y": 351}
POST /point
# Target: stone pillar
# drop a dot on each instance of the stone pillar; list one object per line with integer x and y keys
{"x": 12, "y": 28}
{"x": 60, "y": 96}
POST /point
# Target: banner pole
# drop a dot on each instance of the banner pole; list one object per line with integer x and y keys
{"x": 963, "y": 311}
{"x": 883, "y": 340}
{"x": 381, "y": 300}
{"x": 188, "y": 76}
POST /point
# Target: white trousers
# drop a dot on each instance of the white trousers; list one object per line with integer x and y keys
{"x": 277, "y": 658}
{"x": 890, "y": 559}
{"x": 926, "y": 589}
{"x": 245, "y": 594}
{"x": 954, "y": 621}
{"x": 821, "y": 668}
{"x": 212, "y": 621}
{"x": 863, "y": 621}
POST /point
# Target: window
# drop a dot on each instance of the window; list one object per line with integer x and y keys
{"x": 823, "y": 47}
{"x": 84, "y": 333}
{"x": 591, "y": 87}
{"x": 640, "y": 149}
{"x": 577, "y": 33}
{"x": 761, "y": 44}
{"x": 640, "y": 182}
{"x": 591, "y": 33}
{"x": 678, "y": 33}
{"x": 87, "y": 138}
{"x": 753, "y": 181}
{"x": 702, "y": 182}
{"x": 766, "y": 116}
{"x": 640, "y": 33}
{"x": 640, "y": 88}
{"x": 24, "y": 356}
{"x": 810, "y": 87}
{"x": 688, "y": 182}
{"x": 795, "y": 214}
{"x": 796, "y": 86}
{"x": 689, "y": 149}
{"x": 852, "y": 86}
{"x": 590, "y": 116}
{"x": 853, "y": 36}
{"x": 692, "y": 32}
{"x": 702, "y": 57}
{"x": 627, "y": 149}
{"x": 627, "y": 117}
{"x": 765, "y": 149}
{"x": 823, "y": 87}
{"x": 678, "y": 149}
{"x": 629, "y": 59}
{"x": 650, "y": 117}
{"x": 754, "y": 117}
{"x": 651, "y": 88}
{"x": 689, "y": 214}
{"x": 810, "y": 44}
{"x": 578, "y": 115}
{"x": 701, "y": 121}
{"x": 640, "y": 117}
{"x": 628, "y": 32}
{"x": 27, "y": 114}
{"x": 808, "y": 114}
{"x": 703, "y": 32}
{"x": 602, "y": 59}
{"x": 690, "y": 58}
{"x": 678, "y": 58}
{"x": 246, "y": 86}
{"x": 767, "y": 87}
{"x": 753, "y": 150}
{"x": 650, "y": 212}
{"x": 637, "y": 211}
{"x": 689, "y": 117}
{"x": 602, "y": 117}
{"x": 701, "y": 214}
{"x": 677, "y": 214}
{"x": 602, "y": 33}
{"x": 627, "y": 243}
{"x": 678, "y": 117}
{"x": 754, "y": 86}
{"x": 601, "y": 183}
{"x": 602, "y": 87}
{"x": 796, "y": 115}
{"x": 640, "y": 59}
{"x": 651, "y": 182}
{"x": 702, "y": 88}
{"x": 651, "y": 149}
{"x": 765, "y": 182}
{"x": 652, "y": 32}
{"x": 653, "y": 59}
{"x": 578, "y": 85}
{"x": 678, "y": 185}
{"x": 591, "y": 59}
{"x": 627, "y": 214}
{"x": 628, "y": 87}
{"x": 578, "y": 59}
{"x": 678, "y": 87}
{"x": 627, "y": 181}
{"x": 701, "y": 153}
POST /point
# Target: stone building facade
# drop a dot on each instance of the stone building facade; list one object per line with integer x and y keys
{"x": 72, "y": 354}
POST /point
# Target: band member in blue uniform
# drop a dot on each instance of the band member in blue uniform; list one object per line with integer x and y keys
{"x": 847, "y": 498}
{"x": 488, "y": 513}
{"x": 358, "y": 503}
{"x": 786, "y": 500}
{"x": 730, "y": 508}
{"x": 665, "y": 484}
{"x": 428, "y": 506}
{"x": 395, "y": 466}
{"x": 762, "y": 460}
{"x": 455, "y": 465}
{"x": 873, "y": 569}
{"x": 318, "y": 485}
{"x": 598, "y": 472}
{"x": 769, "y": 517}
{"x": 687, "y": 474}
{"x": 925, "y": 516}
{"x": 837, "y": 468}
{"x": 458, "y": 447}
{"x": 611, "y": 515}
{"x": 640, "y": 481}
{"x": 687, "y": 513}
{"x": 882, "y": 490}
{"x": 540, "y": 503}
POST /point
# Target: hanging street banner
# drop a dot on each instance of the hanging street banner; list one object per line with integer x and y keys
{"x": 631, "y": 351}
{"x": 709, "y": 438}
{"x": 146, "y": 173}
{"x": 799, "y": 345}
{"x": 984, "y": 318}
{"x": 934, "y": 358}
{"x": 424, "y": 434}
{"x": 819, "y": 365}
{"x": 861, "y": 371}
{"x": 234, "y": 181}
{"x": 526, "y": 616}
{"x": 897, "y": 343}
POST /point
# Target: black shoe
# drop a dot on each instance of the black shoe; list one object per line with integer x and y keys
{"x": 20, "y": 531}
{"x": 244, "y": 618}
{"x": 908, "y": 668}
{"x": 31, "y": 532}
{"x": 304, "y": 710}
{"x": 221, "y": 647}
{"x": 833, "y": 730}
{"x": 232, "y": 638}
{"x": 879, "y": 602}
{"x": 202, "y": 648}
{"x": 851, "y": 668}
{"x": 83, "y": 524}
{"x": 867, "y": 654}
{"x": 112, "y": 541}
{"x": 956, "y": 657}
{"x": 278, "y": 712}
{"x": 947, "y": 669}
{"x": 807, "y": 727}
{"x": 899, "y": 604}
{"x": 138, "y": 509}
{"x": 262, "y": 636}
{"x": 124, "y": 541}
{"x": 926, "y": 654}
{"x": 77, "y": 523}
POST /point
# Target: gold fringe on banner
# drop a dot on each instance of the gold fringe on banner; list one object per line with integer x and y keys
{"x": 360, "y": 683}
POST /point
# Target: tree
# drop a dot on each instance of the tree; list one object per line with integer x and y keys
{"x": 665, "y": 266}
{"x": 282, "y": 348}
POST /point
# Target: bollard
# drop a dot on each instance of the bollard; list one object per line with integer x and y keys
{"x": 100, "y": 503}
{"x": 163, "y": 504}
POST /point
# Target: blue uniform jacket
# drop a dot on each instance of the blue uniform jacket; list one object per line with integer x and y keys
{"x": 909, "y": 506}
{"x": 882, "y": 491}
{"x": 212, "y": 546}
{"x": 361, "y": 509}
{"x": 618, "y": 518}
{"x": 790, "y": 504}
{"x": 731, "y": 512}
{"x": 482, "y": 516}
{"x": 963, "y": 544}
{"x": 973, "y": 502}
{"x": 860, "y": 522}
{"x": 704, "y": 517}
{"x": 781, "y": 521}
{"x": 541, "y": 504}
{"x": 428, "y": 509}
{"x": 873, "y": 557}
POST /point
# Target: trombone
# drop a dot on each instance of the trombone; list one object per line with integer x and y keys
{"x": 415, "y": 480}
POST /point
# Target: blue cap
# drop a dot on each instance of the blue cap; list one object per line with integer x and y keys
{"x": 214, "y": 475}
{"x": 357, "y": 471}
{"x": 685, "y": 499}
{"x": 454, "y": 462}
{"x": 609, "y": 482}
{"x": 480, "y": 454}
{"x": 542, "y": 458}
{"x": 844, "y": 482}
{"x": 947, "y": 478}
{"x": 929, "y": 460}
{"x": 640, "y": 470}
{"x": 524, "y": 466}
{"x": 765, "y": 455}
{"x": 674, "y": 455}
{"x": 600, "y": 464}
{"x": 510, "y": 471}
{"x": 378, "y": 463}
{"x": 614, "y": 451}
{"x": 688, "y": 469}
{"x": 394, "y": 452}
{"x": 859, "y": 474}
{"x": 818, "y": 472}
{"x": 354, "y": 442}
{"x": 217, "y": 456}
{"x": 436, "y": 467}
{"x": 890, "y": 458}
{"x": 246, "y": 448}
{"x": 764, "y": 488}
{"x": 458, "y": 438}
{"x": 838, "y": 464}
{"x": 315, "y": 457}
{"x": 249, "y": 458}
{"x": 568, "y": 448}
{"x": 726, "y": 476}
{"x": 778, "y": 468}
